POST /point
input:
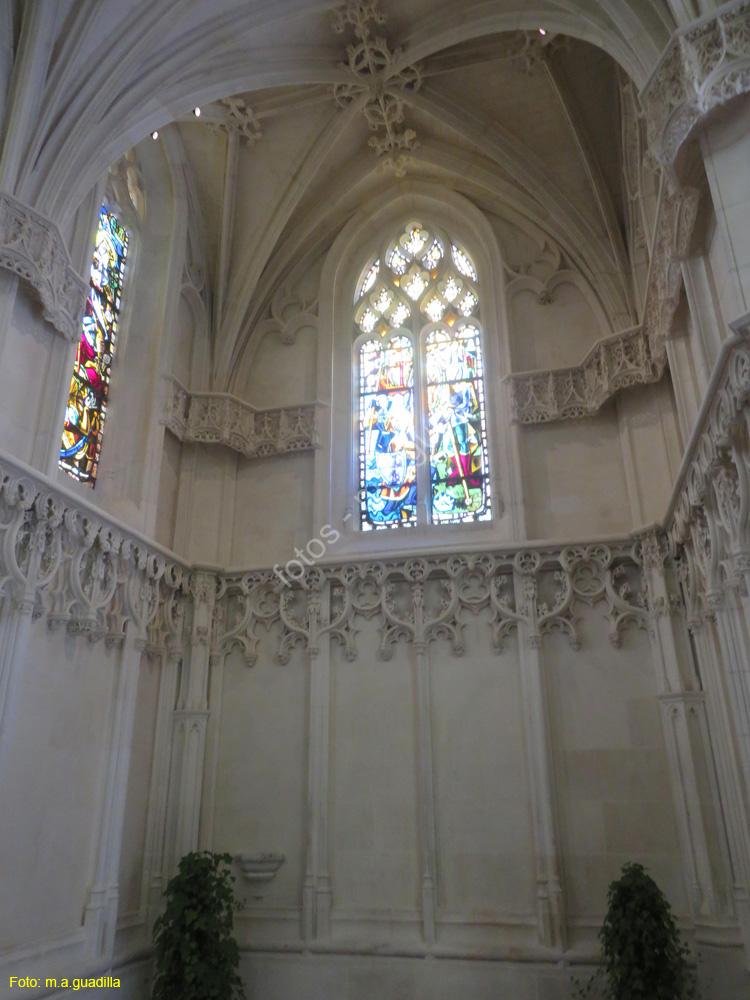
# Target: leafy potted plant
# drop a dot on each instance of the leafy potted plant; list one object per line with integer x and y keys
{"x": 196, "y": 955}
{"x": 644, "y": 956}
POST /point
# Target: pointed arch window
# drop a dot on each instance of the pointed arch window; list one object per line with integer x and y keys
{"x": 422, "y": 445}
{"x": 86, "y": 408}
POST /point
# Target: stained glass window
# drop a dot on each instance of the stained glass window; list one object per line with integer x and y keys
{"x": 388, "y": 486}
{"x": 458, "y": 445}
{"x": 422, "y": 426}
{"x": 87, "y": 398}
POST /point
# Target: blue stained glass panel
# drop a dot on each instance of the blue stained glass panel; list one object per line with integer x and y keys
{"x": 388, "y": 482}
{"x": 456, "y": 419}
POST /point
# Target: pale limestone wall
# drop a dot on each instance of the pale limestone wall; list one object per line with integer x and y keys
{"x": 481, "y": 785}
{"x": 205, "y": 502}
{"x": 280, "y": 374}
{"x": 611, "y": 788}
{"x": 258, "y": 775}
{"x": 54, "y": 752}
{"x": 556, "y": 334}
{"x": 375, "y": 871}
{"x": 574, "y": 478}
{"x": 134, "y": 837}
{"x": 28, "y": 348}
{"x": 611, "y": 769}
{"x": 169, "y": 485}
{"x": 652, "y": 448}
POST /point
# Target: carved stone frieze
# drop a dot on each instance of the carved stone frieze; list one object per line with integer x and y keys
{"x": 218, "y": 418}
{"x": 613, "y": 363}
{"x": 64, "y": 561}
{"x": 703, "y": 66}
{"x": 31, "y": 247}
{"x": 419, "y": 601}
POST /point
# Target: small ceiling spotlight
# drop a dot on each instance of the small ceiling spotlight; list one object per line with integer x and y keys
{"x": 542, "y": 31}
{"x": 197, "y": 112}
{"x": 154, "y": 134}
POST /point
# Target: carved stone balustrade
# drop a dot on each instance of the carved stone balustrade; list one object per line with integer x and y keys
{"x": 710, "y": 508}
{"x": 705, "y": 65}
{"x": 219, "y": 418}
{"x": 31, "y": 247}
{"x": 561, "y": 393}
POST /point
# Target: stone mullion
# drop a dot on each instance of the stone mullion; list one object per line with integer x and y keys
{"x": 316, "y": 890}
{"x": 426, "y": 791}
{"x": 190, "y": 721}
{"x": 550, "y": 903}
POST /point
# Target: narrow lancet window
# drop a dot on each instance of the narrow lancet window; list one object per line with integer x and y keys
{"x": 87, "y": 398}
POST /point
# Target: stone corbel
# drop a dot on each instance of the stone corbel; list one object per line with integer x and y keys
{"x": 219, "y": 418}
{"x": 32, "y": 247}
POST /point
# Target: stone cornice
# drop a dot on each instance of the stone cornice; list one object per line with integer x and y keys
{"x": 703, "y": 66}
{"x": 31, "y": 247}
{"x": 219, "y": 418}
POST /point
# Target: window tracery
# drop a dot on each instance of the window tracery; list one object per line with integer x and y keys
{"x": 421, "y": 413}
{"x": 87, "y": 397}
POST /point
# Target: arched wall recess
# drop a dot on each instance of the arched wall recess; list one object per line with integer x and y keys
{"x": 336, "y": 464}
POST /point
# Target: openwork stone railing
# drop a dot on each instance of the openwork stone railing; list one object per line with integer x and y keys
{"x": 32, "y": 247}
{"x": 218, "y": 418}
{"x": 710, "y": 510}
{"x": 420, "y": 600}
{"x": 703, "y": 66}
{"x": 561, "y": 393}
{"x": 62, "y": 560}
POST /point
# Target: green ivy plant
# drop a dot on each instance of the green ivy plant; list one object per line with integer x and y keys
{"x": 196, "y": 955}
{"x": 644, "y": 955}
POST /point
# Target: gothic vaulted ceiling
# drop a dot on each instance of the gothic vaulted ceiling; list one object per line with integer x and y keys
{"x": 308, "y": 111}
